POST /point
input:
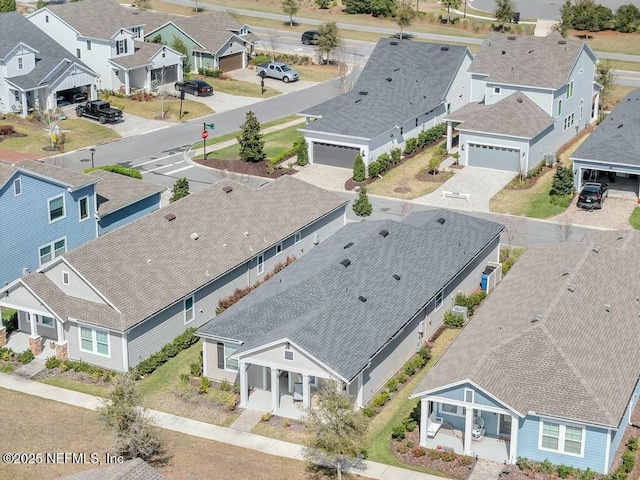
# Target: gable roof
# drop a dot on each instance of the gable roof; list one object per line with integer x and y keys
{"x": 156, "y": 262}
{"x": 617, "y": 139}
{"x": 525, "y": 60}
{"x": 50, "y": 55}
{"x": 103, "y": 18}
{"x": 142, "y": 55}
{"x": 315, "y": 302}
{"x": 115, "y": 191}
{"x": 62, "y": 176}
{"x": 402, "y": 80}
{"x": 199, "y": 28}
{"x": 577, "y": 360}
{"x": 515, "y": 115}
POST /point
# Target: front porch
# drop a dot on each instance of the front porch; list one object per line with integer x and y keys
{"x": 488, "y": 447}
{"x": 21, "y": 341}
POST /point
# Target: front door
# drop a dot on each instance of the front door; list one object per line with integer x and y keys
{"x": 505, "y": 426}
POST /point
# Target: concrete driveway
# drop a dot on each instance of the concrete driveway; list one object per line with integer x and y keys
{"x": 614, "y": 214}
{"x": 481, "y": 184}
{"x": 222, "y": 102}
{"x": 324, "y": 176}
{"x": 249, "y": 75}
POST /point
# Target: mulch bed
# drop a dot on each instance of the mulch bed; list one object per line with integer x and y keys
{"x": 425, "y": 176}
{"x": 459, "y": 467}
{"x": 528, "y": 182}
{"x": 244, "y": 168}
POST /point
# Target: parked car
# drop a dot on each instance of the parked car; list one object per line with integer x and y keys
{"x": 278, "y": 70}
{"x": 99, "y": 110}
{"x": 195, "y": 87}
{"x": 592, "y": 195}
{"x": 310, "y": 36}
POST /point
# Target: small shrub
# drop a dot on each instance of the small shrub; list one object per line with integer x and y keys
{"x": 380, "y": 399}
{"x": 236, "y": 389}
{"x": 409, "y": 368}
{"x": 562, "y": 182}
{"x": 419, "y": 451}
{"x": 184, "y": 378}
{"x": 205, "y": 383}
{"x": 524, "y": 464}
{"x": 181, "y": 342}
{"x": 402, "y": 449}
{"x": 418, "y": 361}
{"x": 368, "y": 412}
{"x": 211, "y": 72}
{"x": 425, "y": 353}
{"x": 410, "y": 146}
{"x": 401, "y": 378}
{"x": 230, "y": 402}
{"x": 96, "y": 374}
{"x": 52, "y": 362}
{"x": 196, "y": 369}
{"x": 26, "y": 357}
{"x": 632, "y": 443}
{"x": 384, "y": 162}
{"x": 119, "y": 169}
{"x": 6, "y": 130}
{"x": 302, "y": 151}
{"x": 225, "y": 386}
{"x": 465, "y": 460}
{"x": 410, "y": 444}
{"x": 396, "y": 155}
{"x": 448, "y": 456}
{"x": 392, "y": 384}
{"x": 409, "y": 424}
{"x": 266, "y": 416}
{"x": 398, "y": 432}
{"x": 588, "y": 474}
{"x": 286, "y": 423}
{"x": 323, "y": 4}
{"x": 454, "y": 320}
{"x": 64, "y": 366}
{"x": 433, "y": 454}
{"x": 546, "y": 467}
{"x": 185, "y": 390}
{"x": 258, "y": 59}
{"x": 374, "y": 169}
{"x": 628, "y": 461}
{"x": 564, "y": 471}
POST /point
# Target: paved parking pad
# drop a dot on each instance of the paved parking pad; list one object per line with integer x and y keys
{"x": 249, "y": 75}
{"x": 614, "y": 214}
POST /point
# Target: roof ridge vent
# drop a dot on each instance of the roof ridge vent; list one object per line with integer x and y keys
{"x": 384, "y": 233}
{"x": 362, "y": 299}
{"x": 362, "y": 92}
{"x": 537, "y": 318}
{"x": 571, "y": 287}
{"x": 393, "y": 43}
{"x": 562, "y": 42}
{"x": 511, "y": 37}
{"x": 227, "y": 189}
{"x": 607, "y": 307}
{"x": 519, "y": 100}
{"x": 620, "y": 126}
{"x": 348, "y": 245}
{"x": 441, "y": 220}
{"x": 170, "y": 217}
{"x": 444, "y": 49}
{"x": 194, "y": 236}
{"x": 596, "y": 248}
{"x": 345, "y": 263}
{"x": 388, "y": 79}
{"x": 568, "y": 271}
{"x": 396, "y": 276}
{"x": 622, "y": 236}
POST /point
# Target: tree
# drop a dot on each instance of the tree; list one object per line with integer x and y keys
{"x": 357, "y": 6}
{"x": 273, "y": 41}
{"x": 335, "y": 431}
{"x": 180, "y": 190}
{"x": 591, "y": 17}
{"x": 302, "y": 151}
{"x": 41, "y": 4}
{"x": 323, "y": 4}
{"x": 142, "y": 4}
{"x": 383, "y": 8}
{"x": 179, "y": 46}
{"x": 449, "y": 4}
{"x": 504, "y": 12}
{"x": 359, "y": 170}
{"x": 607, "y": 79}
{"x": 627, "y": 18}
{"x": 327, "y": 41}
{"x": 566, "y": 19}
{"x": 434, "y": 163}
{"x": 362, "y": 206}
{"x": 404, "y": 17}
{"x": 562, "y": 182}
{"x": 290, "y": 7}
{"x": 7, "y": 6}
{"x": 250, "y": 140}
{"x": 157, "y": 39}
{"x": 129, "y": 423}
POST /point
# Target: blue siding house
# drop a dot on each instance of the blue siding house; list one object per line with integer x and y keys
{"x": 48, "y": 210}
{"x": 548, "y": 367}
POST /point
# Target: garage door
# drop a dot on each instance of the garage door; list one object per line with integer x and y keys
{"x": 493, "y": 157}
{"x": 166, "y": 76}
{"x": 334, "y": 155}
{"x": 231, "y": 62}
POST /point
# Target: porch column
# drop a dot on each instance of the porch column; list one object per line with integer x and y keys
{"x": 265, "y": 379}
{"x": 596, "y": 106}
{"x": 449, "y": 135}
{"x": 127, "y": 85}
{"x": 148, "y": 85}
{"x": 290, "y": 381}
{"x": 424, "y": 417}
{"x": 3, "y": 336}
{"x": 468, "y": 426}
{"x": 35, "y": 340}
{"x": 61, "y": 345}
{"x": 244, "y": 390}
{"x": 25, "y": 107}
{"x": 306, "y": 393}
{"x": 513, "y": 443}
{"x": 359, "y": 402}
{"x": 275, "y": 390}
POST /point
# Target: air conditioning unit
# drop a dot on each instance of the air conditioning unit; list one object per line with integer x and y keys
{"x": 460, "y": 310}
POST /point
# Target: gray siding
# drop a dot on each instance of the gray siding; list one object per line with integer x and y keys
{"x": 77, "y": 286}
{"x": 211, "y": 357}
{"x": 113, "y": 362}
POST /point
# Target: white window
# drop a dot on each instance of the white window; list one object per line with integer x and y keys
{"x": 278, "y": 249}
{"x": 557, "y": 437}
{"x": 44, "y": 321}
{"x": 260, "y": 267}
{"x": 570, "y": 90}
{"x": 65, "y": 278}
{"x": 230, "y": 364}
{"x": 48, "y": 252}
{"x": 78, "y": 53}
{"x": 288, "y": 355}
{"x": 559, "y": 108}
{"x": 95, "y": 341}
{"x": 121, "y": 47}
{"x": 568, "y": 122}
{"x": 16, "y": 95}
{"x": 298, "y": 237}
{"x": 469, "y": 395}
{"x": 20, "y": 63}
{"x": 456, "y": 410}
{"x": 136, "y": 32}
{"x": 83, "y": 208}
{"x": 439, "y": 298}
{"x": 188, "y": 310}
{"x": 497, "y": 91}
{"x": 56, "y": 209}
{"x": 89, "y": 45}
{"x": 17, "y": 186}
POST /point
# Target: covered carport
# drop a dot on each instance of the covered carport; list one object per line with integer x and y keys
{"x": 623, "y": 180}
{"x": 334, "y": 155}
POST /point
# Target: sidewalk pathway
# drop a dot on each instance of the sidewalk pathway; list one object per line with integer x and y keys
{"x": 32, "y": 368}
{"x": 486, "y": 470}
{"x": 247, "y": 420}
{"x": 543, "y": 27}
{"x": 187, "y": 426}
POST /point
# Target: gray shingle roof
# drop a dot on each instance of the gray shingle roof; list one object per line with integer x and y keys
{"x": 526, "y": 60}
{"x": 118, "y": 191}
{"x": 136, "y": 469}
{"x": 420, "y": 75}
{"x": 141, "y": 56}
{"x": 200, "y": 28}
{"x": 14, "y": 28}
{"x": 515, "y": 115}
{"x": 66, "y": 177}
{"x": 617, "y": 139}
{"x": 578, "y": 361}
{"x": 146, "y": 265}
{"x": 314, "y": 302}
{"x": 103, "y": 18}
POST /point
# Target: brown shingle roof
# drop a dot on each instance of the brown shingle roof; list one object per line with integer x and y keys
{"x": 141, "y": 56}
{"x": 578, "y": 360}
{"x": 210, "y": 30}
{"x": 118, "y": 191}
{"x": 65, "y": 176}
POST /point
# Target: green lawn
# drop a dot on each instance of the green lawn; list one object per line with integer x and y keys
{"x": 240, "y": 88}
{"x": 634, "y": 219}
{"x": 71, "y": 384}
{"x": 622, "y": 65}
{"x": 164, "y": 380}
{"x": 275, "y": 143}
{"x": 7, "y": 313}
{"x": 151, "y": 109}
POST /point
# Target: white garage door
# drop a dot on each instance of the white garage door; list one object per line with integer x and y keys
{"x": 334, "y": 155}
{"x": 498, "y": 158}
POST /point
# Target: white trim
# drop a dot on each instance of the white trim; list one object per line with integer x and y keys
{"x": 497, "y": 90}
{"x": 205, "y": 370}
{"x": 125, "y": 352}
{"x": 226, "y": 357}
{"x": 94, "y": 340}
{"x": 441, "y": 295}
{"x": 192, "y": 308}
{"x": 281, "y": 249}
{"x": 260, "y": 264}
{"x": 561, "y": 437}
{"x": 297, "y": 238}
{"x": 86, "y": 198}
{"x": 64, "y": 208}
{"x": 473, "y": 395}
{"x": 65, "y": 274}
{"x": 293, "y": 355}
{"x": 570, "y": 88}
{"x": 17, "y": 191}
{"x": 52, "y": 245}
{"x": 40, "y": 321}
{"x": 287, "y": 367}
{"x": 607, "y": 452}
{"x": 74, "y": 270}
{"x": 460, "y": 412}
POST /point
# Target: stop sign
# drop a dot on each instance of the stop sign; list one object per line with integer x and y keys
{"x": 205, "y": 134}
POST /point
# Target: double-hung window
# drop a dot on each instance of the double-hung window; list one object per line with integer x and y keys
{"x": 48, "y": 252}
{"x": 17, "y": 186}
{"x": 121, "y": 47}
{"x": 20, "y": 63}
{"x": 559, "y": 108}
{"x": 566, "y": 439}
{"x": 260, "y": 264}
{"x": 56, "y": 209}
{"x": 83, "y": 207}
{"x": 94, "y": 341}
{"x": 570, "y": 90}
{"x": 230, "y": 364}
{"x": 188, "y": 310}
{"x": 439, "y": 299}
{"x": 298, "y": 237}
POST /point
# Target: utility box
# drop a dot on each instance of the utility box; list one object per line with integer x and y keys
{"x": 460, "y": 310}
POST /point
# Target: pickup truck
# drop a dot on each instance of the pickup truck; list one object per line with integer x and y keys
{"x": 99, "y": 110}
{"x": 278, "y": 70}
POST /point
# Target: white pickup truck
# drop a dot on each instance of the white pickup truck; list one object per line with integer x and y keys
{"x": 278, "y": 70}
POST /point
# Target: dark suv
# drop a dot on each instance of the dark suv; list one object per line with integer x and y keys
{"x": 593, "y": 195}
{"x": 309, "y": 37}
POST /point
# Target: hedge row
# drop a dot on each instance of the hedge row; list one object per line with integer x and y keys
{"x": 120, "y": 170}
{"x": 170, "y": 350}
{"x": 211, "y": 72}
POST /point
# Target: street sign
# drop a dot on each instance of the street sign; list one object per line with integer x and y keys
{"x": 209, "y": 126}
{"x": 205, "y": 134}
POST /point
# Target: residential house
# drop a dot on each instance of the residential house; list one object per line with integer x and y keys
{"x": 49, "y": 210}
{"x": 613, "y": 149}
{"x": 405, "y": 88}
{"x": 213, "y": 40}
{"x": 119, "y": 298}
{"x": 35, "y": 70}
{"x": 529, "y": 96}
{"x": 353, "y": 310}
{"x": 109, "y": 39}
{"x": 548, "y": 366}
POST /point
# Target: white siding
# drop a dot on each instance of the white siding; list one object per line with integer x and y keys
{"x": 28, "y": 62}
{"x": 459, "y": 93}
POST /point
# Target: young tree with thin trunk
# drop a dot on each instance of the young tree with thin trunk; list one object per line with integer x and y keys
{"x": 449, "y": 4}
{"x": 566, "y": 19}
{"x": 250, "y": 140}
{"x": 290, "y": 7}
{"x": 273, "y": 41}
{"x": 335, "y": 431}
{"x": 404, "y": 17}
{"x": 504, "y": 12}
{"x": 606, "y": 78}
{"x": 180, "y": 189}
{"x": 327, "y": 41}
{"x": 362, "y": 206}
{"x": 142, "y": 4}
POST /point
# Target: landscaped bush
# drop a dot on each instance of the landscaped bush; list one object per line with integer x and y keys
{"x": 471, "y": 302}
{"x": 419, "y": 451}
{"x": 266, "y": 416}
{"x": 392, "y": 384}
{"x": 410, "y": 146}
{"x": 564, "y": 471}
{"x": 120, "y": 170}
{"x": 632, "y": 444}
{"x": 301, "y": 149}
{"x": 52, "y": 362}
{"x": 26, "y": 357}
{"x": 396, "y": 155}
{"x": 432, "y": 135}
{"x": 368, "y": 412}
{"x": 409, "y": 424}
{"x": 141, "y": 96}
{"x": 6, "y": 130}
{"x": 562, "y": 182}
{"x": 6, "y": 354}
{"x": 211, "y": 72}
{"x": 262, "y": 58}
{"x": 282, "y": 156}
{"x": 380, "y": 399}
{"x": 359, "y": 170}
{"x": 402, "y": 378}
{"x": 205, "y": 383}
{"x": 196, "y": 369}
{"x": 323, "y": 4}
{"x": 374, "y": 169}
{"x": 384, "y": 162}
{"x": 181, "y": 342}
{"x": 293, "y": 59}
{"x": 455, "y": 320}
{"x": 546, "y": 467}
{"x": 410, "y": 368}
{"x": 398, "y": 432}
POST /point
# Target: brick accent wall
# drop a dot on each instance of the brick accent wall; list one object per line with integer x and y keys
{"x": 35, "y": 344}
{"x": 61, "y": 351}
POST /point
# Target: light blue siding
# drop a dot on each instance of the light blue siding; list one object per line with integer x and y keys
{"x": 24, "y": 222}
{"x": 457, "y": 393}
{"x": 594, "y": 449}
{"x": 128, "y": 214}
{"x": 617, "y": 438}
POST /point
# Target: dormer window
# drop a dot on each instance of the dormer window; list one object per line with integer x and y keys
{"x": 136, "y": 32}
{"x": 121, "y": 47}
{"x": 497, "y": 91}
{"x": 20, "y": 63}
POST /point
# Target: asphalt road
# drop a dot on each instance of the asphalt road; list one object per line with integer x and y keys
{"x": 547, "y": 9}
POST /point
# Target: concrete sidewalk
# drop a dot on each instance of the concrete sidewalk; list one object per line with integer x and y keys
{"x": 187, "y": 426}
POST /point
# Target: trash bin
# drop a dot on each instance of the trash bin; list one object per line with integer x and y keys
{"x": 516, "y": 17}
{"x": 484, "y": 281}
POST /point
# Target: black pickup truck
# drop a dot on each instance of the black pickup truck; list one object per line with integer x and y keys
{"x": 99, "y": 110}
